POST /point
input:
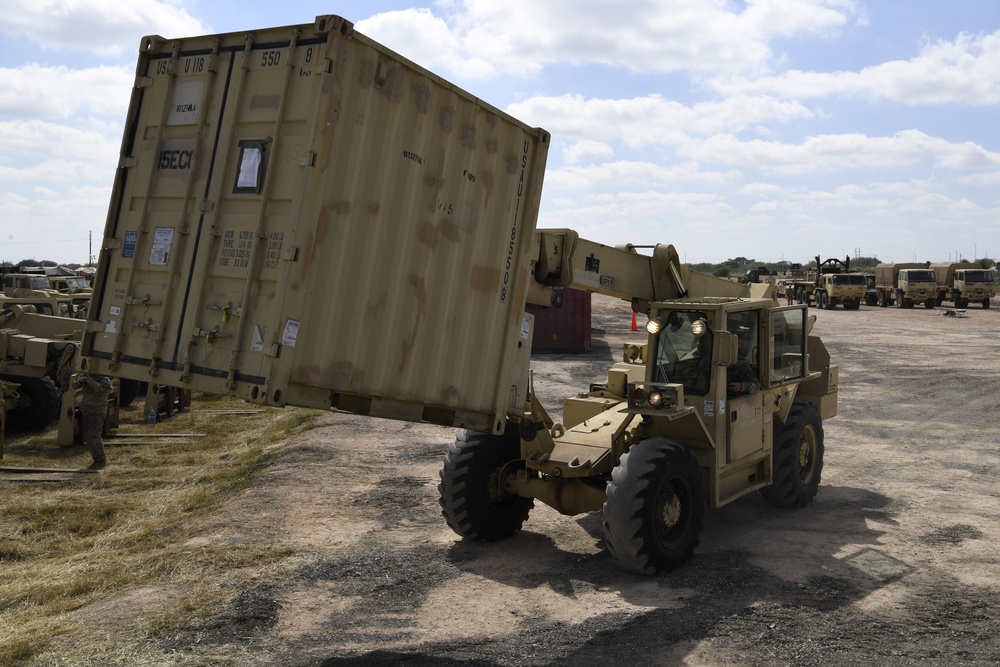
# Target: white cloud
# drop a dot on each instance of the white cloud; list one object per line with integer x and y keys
{"x": 651, "y": 119}
{"x": 50, "y": 153}
{"x": 964, "y": 71}
{"x": 486, "y": 38}
{"x": 105, "y": 27}
{"x": 628, "y": 176}
{"x": 586, "y": 150}
{"x": 34, "y": 91}
{"x": 840, "y": 152}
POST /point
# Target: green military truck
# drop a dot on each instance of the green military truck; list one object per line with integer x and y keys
{"x": 963, "y": 283}
{"x": 835, "y": 285}
{"x": 905, "y": 285}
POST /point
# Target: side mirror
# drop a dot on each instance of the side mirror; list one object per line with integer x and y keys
{"x": 726, "y": 350}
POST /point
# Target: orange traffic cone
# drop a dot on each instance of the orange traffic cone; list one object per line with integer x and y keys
{"x": 634, "y": 327}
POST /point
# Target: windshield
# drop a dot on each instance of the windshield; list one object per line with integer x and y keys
{"x": 978, "y": 276}
{"x": 849, "y": 279}
{"x": 920, "y": 276}
{"x": 77, "y": 283}
{"x": 683, "y": 357}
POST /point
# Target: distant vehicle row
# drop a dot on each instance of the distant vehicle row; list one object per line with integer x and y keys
{"x": 903, "y": 284}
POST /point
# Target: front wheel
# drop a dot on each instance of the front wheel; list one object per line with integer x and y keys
{"x": 655, "y": 507}
{"x": 473, "y": 500}
{"x": 797, "y": 457}
{"x": 37, "y": 406}
{"x": 930, "y": 303}
{"x": 986, "y": 303}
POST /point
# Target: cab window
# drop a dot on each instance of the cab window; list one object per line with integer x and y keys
{"x": 788, "y": 341}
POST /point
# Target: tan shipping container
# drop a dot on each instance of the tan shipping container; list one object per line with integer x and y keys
{"x": 301, "y": 216}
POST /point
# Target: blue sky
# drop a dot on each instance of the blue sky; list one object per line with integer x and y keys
{"x": 768, "y": 129}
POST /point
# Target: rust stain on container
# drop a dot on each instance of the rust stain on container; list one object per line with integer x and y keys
{"x": 420, "y": 292}
{"x": 366, "y": 74}
{"x": 344, "y": 374}
{"x": 511, "y": 163}
{"x": 429, "y": 235}
{"x": 449, "y": 230}
{"x": 468, "y": 136}
{"x": 421, "y": 96}
{"x": 446, "y": 119}
{"x": 484, "y": 278}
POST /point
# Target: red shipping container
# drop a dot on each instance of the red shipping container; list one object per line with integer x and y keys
{"x": 563, "y": 330}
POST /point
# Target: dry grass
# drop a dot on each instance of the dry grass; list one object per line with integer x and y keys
{"x": 64, "y": 546}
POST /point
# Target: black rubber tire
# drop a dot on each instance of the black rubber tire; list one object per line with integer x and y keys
{"x": 472, "y": 500}
{"x": 40, "y": 406}
{"x": 128, "y": 391}
{"x": 798, "y": 457}
{"x": 882, "y": 302}
{"x": 930, "y": 303}
{"x": 654, "y": 479}
{"x": 854, "y": 304}
{"x": 986, "y": 303}
{"x": 900, "y": 301}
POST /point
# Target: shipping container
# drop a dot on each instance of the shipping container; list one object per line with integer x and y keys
{"x": 566, "y": 329}
{"x": 301, "y": 216}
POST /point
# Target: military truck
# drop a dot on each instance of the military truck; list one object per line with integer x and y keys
{"x": 38, "y": 356}
{"x": 836, "y": 285}
{"x": 905, "y": 285}
{"x": 871, "y": 292}
{"x": 25, "y": 284}
{"x": 335, "y": 227}
{"x": 962, "y": 282}
{"x": 797, "y": 280}
{"x": 36, "y": 289}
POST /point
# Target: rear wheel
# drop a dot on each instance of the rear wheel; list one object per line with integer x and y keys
{"x": 930, "y": 303}
{"x": 881, "y": 300}
{"x": 797, "y": 457}
{"x": 986, "y": 303}
{"x": 655, "y": 507}
{"x": 128, "y": 391}
{"x": 38, "y": 406}
{"x": 473, "y": 500}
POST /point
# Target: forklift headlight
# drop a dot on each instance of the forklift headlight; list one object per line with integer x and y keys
{"x": 699, "y": 327}
{"x": 655, "y": 399}
{"x": 654, "y": 325}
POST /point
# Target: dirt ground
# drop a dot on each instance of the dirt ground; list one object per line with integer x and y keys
{"x": 894, "y": 563}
